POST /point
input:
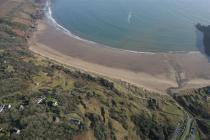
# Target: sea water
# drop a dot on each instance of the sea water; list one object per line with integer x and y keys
{"x": 136, "y": 25}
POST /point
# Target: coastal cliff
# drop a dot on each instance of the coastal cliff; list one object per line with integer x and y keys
{"x": 206, "y": 37}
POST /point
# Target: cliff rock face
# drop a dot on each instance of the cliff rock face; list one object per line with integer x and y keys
{"x": 206, "y": 39}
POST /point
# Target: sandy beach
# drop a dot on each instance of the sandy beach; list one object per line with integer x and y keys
{"x": 153, "y": 71}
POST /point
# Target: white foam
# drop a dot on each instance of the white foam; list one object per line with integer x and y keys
{"x": 60, "y": 27}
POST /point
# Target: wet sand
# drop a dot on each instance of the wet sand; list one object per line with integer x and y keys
{"x": 153, "y": 71}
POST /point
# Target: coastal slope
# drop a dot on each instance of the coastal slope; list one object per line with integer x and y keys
{"x": 43, "y": 99}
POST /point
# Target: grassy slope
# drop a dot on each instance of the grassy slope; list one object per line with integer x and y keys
{"x": 105, "y": 110}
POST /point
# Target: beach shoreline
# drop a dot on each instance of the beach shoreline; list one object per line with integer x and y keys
{"x": 152, "y": 71}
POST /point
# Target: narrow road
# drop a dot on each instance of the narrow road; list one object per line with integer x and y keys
{"x": 189, "y": 121}
{"x": 187, "y": 130}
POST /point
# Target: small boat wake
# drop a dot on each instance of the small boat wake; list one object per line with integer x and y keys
{"x": 130, "y": 15}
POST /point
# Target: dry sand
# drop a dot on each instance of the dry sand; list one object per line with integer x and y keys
{"x": 153, "y": 71}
